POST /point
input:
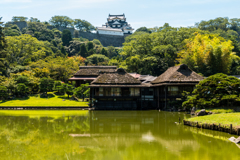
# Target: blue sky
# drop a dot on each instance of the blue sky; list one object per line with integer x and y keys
{"x": 149, "y": 13}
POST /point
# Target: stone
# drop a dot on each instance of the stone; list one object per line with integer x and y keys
{"x": 209, "y": 113}
{"x": 202, "y": 113}
{"x": 63, "y": 99}
{"x": 235, "y": 140}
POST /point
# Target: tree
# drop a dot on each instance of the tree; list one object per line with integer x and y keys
{"x": 12, "y": 30}
{"x": 66, "y": 37}
{"x": 46, "y": 85}
{"x": 19, "y": 18}
{"x": 97, "y": 59}
{"x": 22, "y": 89}
{"x": 81, "y": 91}
{"x": 24, "y": 49}
{"x": 69, "y": 90}
{"x": 61, "y": 21}
{"x": 111, "y": 51}
{"x": 63, "y": 51}
{"x": 83, "y": 25}
{"x": 34, "y": 20}
{"x": 57, "y": 85}
{"x": 208, "y": 54}
{"x": 3, "y": 93}
{"x": 74, "y": 48}
{"x": 76, "y": 34}
{"x": 90, "y": 46}
{"x": 44, "y": 72}
{"x": 83, "y": 50}
{"x": 143, "y": 29}
{"x": 104, "y": 52}
{"x": 218, "y": 90}
{"x": 3, "y": 52}
{"x": 22, "y": 79}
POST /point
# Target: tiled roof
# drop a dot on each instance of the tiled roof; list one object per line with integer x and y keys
{"x": 178, "y": 74}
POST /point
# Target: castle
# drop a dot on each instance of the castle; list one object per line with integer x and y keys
{"x": 113, "y": 33}
{"x": 116, "y": 25}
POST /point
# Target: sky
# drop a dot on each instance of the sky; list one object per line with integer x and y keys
{"x": 139, "y": 13}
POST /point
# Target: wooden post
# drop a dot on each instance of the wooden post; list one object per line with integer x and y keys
{"x": 230, "y": 128}
{"x": 158, "y": 97}
{"x": 165, "y": 97}
{"x": 197, "y": 124}
{"x": 179, "y": 120}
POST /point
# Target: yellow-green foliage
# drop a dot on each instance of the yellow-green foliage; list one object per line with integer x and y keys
{"x": 208, "y": 50}
{"x": 226, "y": 118}
{"x": 36, "y": 101}
{"x": 24, "y": 49}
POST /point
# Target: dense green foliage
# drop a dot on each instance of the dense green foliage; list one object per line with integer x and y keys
{"x": 66, "y": 37}
{"x": 218, "y": 90}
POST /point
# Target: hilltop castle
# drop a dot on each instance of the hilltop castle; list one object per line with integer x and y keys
{"x": 115, "y": 25}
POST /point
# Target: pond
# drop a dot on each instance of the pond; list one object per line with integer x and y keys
{"x": 107, "y": 135}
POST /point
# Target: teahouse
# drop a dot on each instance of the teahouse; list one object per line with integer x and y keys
{"x": 116, "y": 90}
{"x": 87, "y": 74}
{"x": 170, "y": 85}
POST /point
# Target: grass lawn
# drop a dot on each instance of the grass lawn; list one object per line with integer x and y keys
{"x": 217, "y": 111}
{"x": 225, "y": 118}
{"x": 37, "y": 101}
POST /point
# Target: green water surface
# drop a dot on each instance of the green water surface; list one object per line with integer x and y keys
{"x": 108, "y": 135}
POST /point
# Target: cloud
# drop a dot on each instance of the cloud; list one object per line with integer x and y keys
{"x": 15, "y": 1}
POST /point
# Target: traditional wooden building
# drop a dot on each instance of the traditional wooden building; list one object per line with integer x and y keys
{"x": 170, "y": 85}
{"x": 87, "y": 74}
{"x": 116, "y": 90}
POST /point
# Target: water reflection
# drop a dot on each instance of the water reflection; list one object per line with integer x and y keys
{"x": 107, "y": 135}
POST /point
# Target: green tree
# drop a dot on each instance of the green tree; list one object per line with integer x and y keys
{"x": 66, "y": 37}
{"x": 61, "y": 21}
{"x": 23, "y": 80}
{"x": 97, "y": 59}
{"x": 3, "y": 52}
{"x": 19, "y": 18}
{"x": 104, "y": 52}
{"x": 143, "y": 29}
{"x": 3, "y": 93}
{"x": 208, "y": 54}
{"x": 46, "y": 85}
{"x": 83, "y": 25}
{"x": 76, "y": 34}
{"x": 90, "y": 46}
{"x": 69, "y": 90}
{"x": 81, "y": 91}
{"x": 22, "y": 89}
{"x": 218, "y": 90}
{"x": 63, "y": 51}
{"x": 12, "y": 30}
{"x": 83, "y": 50}
{"x": 111, "y": 51}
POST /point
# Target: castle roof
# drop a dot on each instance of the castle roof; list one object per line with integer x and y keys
{"x": 178, "y": 74}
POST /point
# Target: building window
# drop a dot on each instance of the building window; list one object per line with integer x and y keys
{"x": 115, "y": 91}
{"x": 107, "y": 91}
{"x": 134, "y": 91}
{"x": 113, "y": 25}
{"x": 100, "y": 91}
{"x": 173, "y": 90}
{"x": 125, "y": 92}
{"x": 119, "y": 25}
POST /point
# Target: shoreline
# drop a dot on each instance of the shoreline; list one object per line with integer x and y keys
{"x": 228, "y": 128}
{"x": 45, "y": 108}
